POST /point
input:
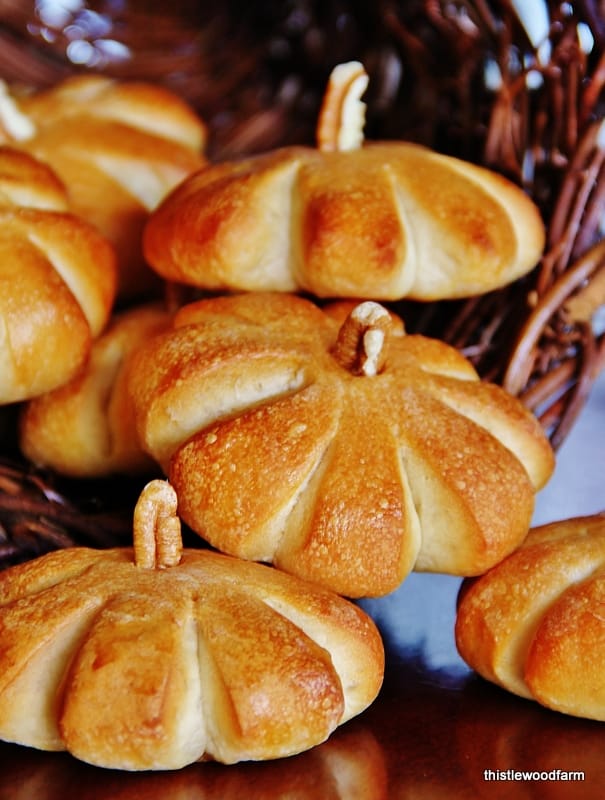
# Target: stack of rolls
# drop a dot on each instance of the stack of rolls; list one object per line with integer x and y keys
{"x": 288, "y": 415}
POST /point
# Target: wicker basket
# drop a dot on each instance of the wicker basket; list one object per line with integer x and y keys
{"x": 473, "y": 79}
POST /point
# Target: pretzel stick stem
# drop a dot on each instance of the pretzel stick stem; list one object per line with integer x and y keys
{"x": 362, "y": 343}
{"x": 156, "y": 527}
{"x": 342, "y": 115}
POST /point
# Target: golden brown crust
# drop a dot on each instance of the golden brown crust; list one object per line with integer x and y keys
{"x": 141, "y": 105}
{"x": 119, "y": 147}
{"x": 86, "y": 427}
{"x": 533, "y": 625}
{"x": 280, "y": 453}
{"x": 135, "y": 668}
{"x": 385, "y": 221}
{"x": 58, "y": 281}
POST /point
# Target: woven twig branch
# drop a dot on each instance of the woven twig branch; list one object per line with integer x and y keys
{"x": 36, "y": 518}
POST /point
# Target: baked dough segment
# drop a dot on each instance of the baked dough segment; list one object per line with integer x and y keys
{"x": 57, "y": 280}
{"x": 41, "y": 623}
{"x": 229, "y": 225}
{"x": 140, "y": 654}
{"x": 275, "y": 687}
{"x": 355, "y": 238}
{"x": 225, "y": 477}
{"x": 36, "y": 308}
{"x": 470, "y": 226}
{"x": 355, "y": 526}
{"x": 174, "y": 399}
{"x": 459, "y": 475}
{"x": 560, "y": 648}
{"x": 484, "y": 404}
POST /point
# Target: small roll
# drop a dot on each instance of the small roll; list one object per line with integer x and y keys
{"x": 534, "y": 624}
{"x": 86, "y": 428}
{"x": 386, "y": 221}
{"x": 119, "y": 148}
{"x": 136, "y": 668}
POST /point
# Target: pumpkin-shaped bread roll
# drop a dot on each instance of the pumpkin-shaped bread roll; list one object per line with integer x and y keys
{"x": 156, "y": 658}
{"x": 86, "y": 428}
{"x": 119, "y": 147}
{"x": 386, "y": 220}
{"x": 57, "y": 280}
{"x": 534, "y": 624}
{"x": 334, "y": 445}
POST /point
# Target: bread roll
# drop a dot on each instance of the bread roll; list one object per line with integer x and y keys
{"x": 119, "y": 147}
{"x": 334, "y": 445}
{"x": 86, "y": 427}
{"x": 534, "y": 623}
{"x": 157, "y": 657}
{"x": 385, "y": 221}
{"x": 57, "y": 280}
